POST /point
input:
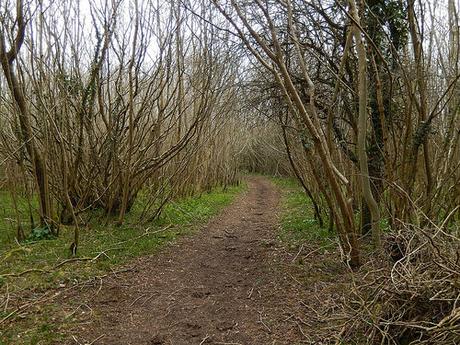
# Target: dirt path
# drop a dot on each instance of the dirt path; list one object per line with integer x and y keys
{"x": 219, "y": 286}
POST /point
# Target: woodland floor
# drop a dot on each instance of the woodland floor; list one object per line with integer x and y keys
{"x": 233, "y": 282}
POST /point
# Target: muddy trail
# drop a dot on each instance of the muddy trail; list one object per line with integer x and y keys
{"x": 222, "y": 285}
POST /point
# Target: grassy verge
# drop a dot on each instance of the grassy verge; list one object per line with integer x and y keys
{"x": 298, "y": 224}
{"x": 110, "y": 244}
{"x": 314, "y": 260}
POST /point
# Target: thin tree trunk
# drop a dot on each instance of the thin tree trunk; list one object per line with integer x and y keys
{"x": 28, "y": 137}
{"x": 362, "y": 128}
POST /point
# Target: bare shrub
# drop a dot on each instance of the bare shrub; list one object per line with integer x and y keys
{"x": 411, "y": 291}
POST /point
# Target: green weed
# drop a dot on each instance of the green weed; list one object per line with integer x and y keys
{"x": 298, "y": 224}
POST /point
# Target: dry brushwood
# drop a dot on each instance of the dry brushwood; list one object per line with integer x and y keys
{"x": 414, "y": 300}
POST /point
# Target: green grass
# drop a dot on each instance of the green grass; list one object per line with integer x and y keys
{"x": 8, "y": 222}
{"x": 113, "y": 245}
{"x": 297, "y": 220}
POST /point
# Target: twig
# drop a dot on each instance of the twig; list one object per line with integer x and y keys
{"x": 7, "y": 298}
{"x": 204, "y": 339}
{"x": 27, "y": 306}
{"x": 137, "y": 299}
{"x": 250, "y": 293}
{"x": 31, "y": 270}
{"x": 75, "y": 340}
{"x": 313, "y": 251}
{"x": 298, "y": 253}
{"x": 50, "y": 270}
{"x": 263, "y": 323}
{"x": 47, "y": 298}
{"x": 99, "y": 337}
{"x": 230, "y": 234}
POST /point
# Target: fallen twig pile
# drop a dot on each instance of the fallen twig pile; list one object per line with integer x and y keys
{"x": 410, "y": 294}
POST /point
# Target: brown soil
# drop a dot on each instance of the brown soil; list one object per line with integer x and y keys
{"x": 226, "y": 284}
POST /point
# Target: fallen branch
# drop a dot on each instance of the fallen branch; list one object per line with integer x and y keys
{"x": 45, "y": 298}
{"x": 64, "y": 262}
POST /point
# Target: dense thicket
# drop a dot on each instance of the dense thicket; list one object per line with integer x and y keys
{"x": 366, "y": 98}
{"x": 103, "y": 101}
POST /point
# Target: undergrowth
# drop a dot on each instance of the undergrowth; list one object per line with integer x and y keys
{"x": 111, "y": 245}
{"x": 313, "y": 261}
{"x": 297, "y": 220}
